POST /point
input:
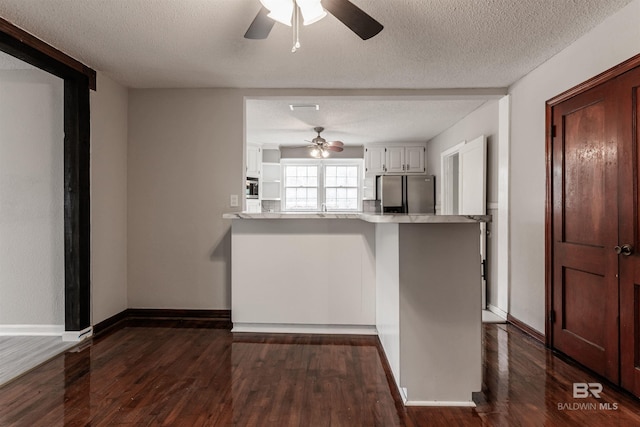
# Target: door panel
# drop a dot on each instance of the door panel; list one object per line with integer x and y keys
{"x": 628, "y": 101}
{"x": 584, "y": 194}
{"x": 472, "y": 177}
{"x": 584, "y": 152}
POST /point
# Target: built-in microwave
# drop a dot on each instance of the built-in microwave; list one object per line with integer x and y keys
{"x": 252, "y": 188}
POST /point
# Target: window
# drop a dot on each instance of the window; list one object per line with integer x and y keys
{"x": 314, "y": 185}
{"x": 341, "y": 187}
{"x": 301, "y": 188}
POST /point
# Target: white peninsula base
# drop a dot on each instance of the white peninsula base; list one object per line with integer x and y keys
{"x": 415, "y": 280}
{"x": 428, "y": 313}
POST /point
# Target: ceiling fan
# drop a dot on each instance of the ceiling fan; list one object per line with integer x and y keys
{"x": 320, "y": 147}
{"x": 312, "y": 11}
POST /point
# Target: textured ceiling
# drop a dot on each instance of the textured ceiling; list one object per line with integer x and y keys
{"x": 426, "y": 44}
{"x": 355, "y": 122}
{"x": 199, "y": 43}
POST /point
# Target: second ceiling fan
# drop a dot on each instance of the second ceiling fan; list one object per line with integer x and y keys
{"x": 312, "y": 10}
{"x": 320, "y": 147}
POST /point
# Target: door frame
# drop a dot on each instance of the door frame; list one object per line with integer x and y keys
{"x": 446, "y": 202}
{"x": 603, "y": 77}
{"x": 78, "y": 80}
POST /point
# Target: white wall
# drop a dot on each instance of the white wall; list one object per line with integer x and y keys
{"x": 482, "y": 121}
{"x": 613, "y": 41}
{"x": 109, "y": 105}
{"x": 31, "y": 198}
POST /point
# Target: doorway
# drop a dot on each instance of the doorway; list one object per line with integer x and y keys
{"x": 464, "y": 189}
{"x": 78, "y": 80}
{"x": 593, "y": 269}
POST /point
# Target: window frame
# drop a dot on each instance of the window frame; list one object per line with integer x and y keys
{"x": 322, "y": 189}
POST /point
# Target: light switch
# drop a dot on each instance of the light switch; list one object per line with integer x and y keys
{"x": 233, "y": 202}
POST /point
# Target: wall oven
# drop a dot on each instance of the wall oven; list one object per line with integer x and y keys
{"x": 251, "y": 190}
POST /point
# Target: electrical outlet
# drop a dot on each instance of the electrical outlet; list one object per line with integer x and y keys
{"x": 233, "y": 202}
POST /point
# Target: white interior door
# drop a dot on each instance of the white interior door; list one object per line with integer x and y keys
{"x": 472, "y": 177}
{"x": 472, "y": 193}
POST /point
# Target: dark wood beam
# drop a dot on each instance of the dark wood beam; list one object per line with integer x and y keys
{"x": 10, "y": 31}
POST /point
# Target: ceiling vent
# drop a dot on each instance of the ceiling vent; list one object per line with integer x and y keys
{"x": 304, "y": 107}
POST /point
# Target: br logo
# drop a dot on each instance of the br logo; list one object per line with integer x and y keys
{"x": 584, "y": 390}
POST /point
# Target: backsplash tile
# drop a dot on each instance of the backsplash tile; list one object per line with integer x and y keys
{"x": 271, "y": 206}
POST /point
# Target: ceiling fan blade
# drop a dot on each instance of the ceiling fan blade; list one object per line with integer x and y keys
{"x": 336, "y": 143}
{"x": 333, "y": 148}
{"x": 261, "y": 26}
{"x": 353, "y": 17}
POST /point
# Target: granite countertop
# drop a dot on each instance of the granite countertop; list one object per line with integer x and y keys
{"x": 364, "y": 216}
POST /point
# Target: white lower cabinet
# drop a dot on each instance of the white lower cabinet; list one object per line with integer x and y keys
{"x": 253, "y": 205}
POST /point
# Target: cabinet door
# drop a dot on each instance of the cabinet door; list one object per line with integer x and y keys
{"x": 374, "y": 160}
{"x": 369, "y": 188}
{"x": 395, "y": 160}
{"x": 414, "y": 159}
{"x": 253, "y": 161}
{"x": 253, "y": 205}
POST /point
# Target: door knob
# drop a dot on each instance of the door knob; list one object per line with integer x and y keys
{"x": 625, "y": 249}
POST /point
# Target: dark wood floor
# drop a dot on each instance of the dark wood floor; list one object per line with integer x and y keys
{"x": 209, "y": 377}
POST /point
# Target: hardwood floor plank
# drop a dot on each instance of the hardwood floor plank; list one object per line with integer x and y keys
{"x": 211, "y": 377}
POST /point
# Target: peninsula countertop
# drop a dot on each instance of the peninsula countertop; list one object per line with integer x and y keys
{"x": 392, "y": 218}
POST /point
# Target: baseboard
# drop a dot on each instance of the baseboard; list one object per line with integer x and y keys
{"x": 165, "y": 318}
{"x": 277, "y": 328}
{"x": 462, "y": 403}
{"x": 32, "y": 330}
{"x": 114, "y": 322}
{"x": 533, "y": 333}
{"x": 77, "y": 336}
{"x": 398, "y": 394}
{"x": 497, "y": 311}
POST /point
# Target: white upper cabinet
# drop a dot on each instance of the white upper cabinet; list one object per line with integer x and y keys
{"x": 395, "y": 159}
{"x": 414, "y": 158}
{"x": 374, "y": 160}
{"x": 254, "y": 161}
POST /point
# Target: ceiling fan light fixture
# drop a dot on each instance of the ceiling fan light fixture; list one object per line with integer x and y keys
{"x": 279, "y": 10}
{"x": 315, "y": 153}
{"x": 312, "y": 11}
{"x": 325, "y": 153}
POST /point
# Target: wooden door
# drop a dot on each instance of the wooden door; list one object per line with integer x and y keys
{"x": 585, "y": 228}
{"x": 628, "y": 101}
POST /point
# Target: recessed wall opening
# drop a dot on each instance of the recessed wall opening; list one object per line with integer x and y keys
{"x": 44, "y": 192}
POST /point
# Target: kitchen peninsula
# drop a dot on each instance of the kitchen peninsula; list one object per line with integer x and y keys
{"x": 412, "y": 279}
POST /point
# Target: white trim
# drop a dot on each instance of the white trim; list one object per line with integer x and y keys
{"x": 446, "y": 202}
{"x": 491, "y": 206}
{"x": 321, "y": 165}
{"x": 504, "y": 216}
{"x": 279, "y": 328}
{"x": 497, "y": 311}
{"x": 77, "y": 336}
{"x": 31, "y": 330}
{"x": 468, "y": 404}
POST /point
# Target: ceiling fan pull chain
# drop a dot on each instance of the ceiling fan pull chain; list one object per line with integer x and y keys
{"x": 296, "y": 28}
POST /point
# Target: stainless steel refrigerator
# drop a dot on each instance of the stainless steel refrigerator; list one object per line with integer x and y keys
{"x": 406, "y": 193}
